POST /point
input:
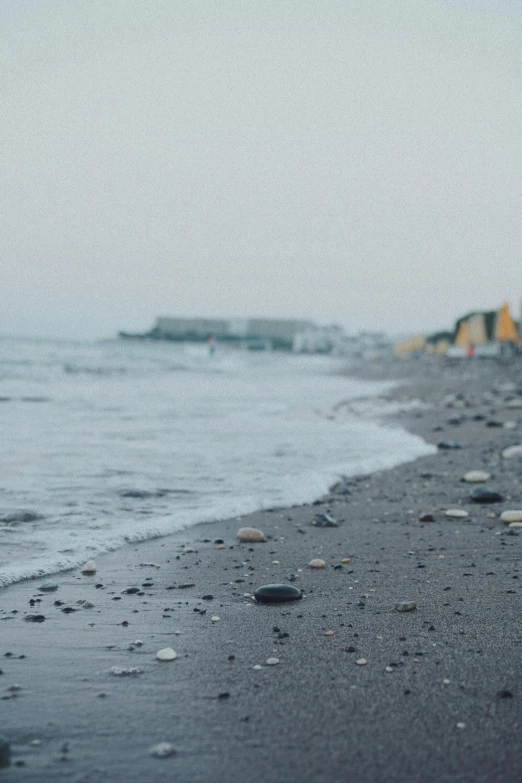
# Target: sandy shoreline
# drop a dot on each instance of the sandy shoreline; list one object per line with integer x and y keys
{"x": 448, "y": 711}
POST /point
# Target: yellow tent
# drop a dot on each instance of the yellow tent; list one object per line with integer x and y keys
{"x": 462, "y": 339}
{"x": 506, "y": 330}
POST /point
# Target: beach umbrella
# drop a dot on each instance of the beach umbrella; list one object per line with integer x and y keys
{"x": 506, "y": 329}
{"x": 477, "y": 329}
{"x": 462, "y": 339}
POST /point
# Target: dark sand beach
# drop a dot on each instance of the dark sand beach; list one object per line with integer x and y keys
{"x": 437, "y": 698}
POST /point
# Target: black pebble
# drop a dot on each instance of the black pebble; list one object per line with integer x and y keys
{"x": 132, "y": 590}
{"x": 5, "y": 752}
{"x": 325, "y": 520}
{"x": 34, "y": 618}
{"x": 277, "y": 593}
{"x": 485, "y": 495}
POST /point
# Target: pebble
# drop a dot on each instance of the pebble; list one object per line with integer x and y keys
{"x": 461, "y": 725}
{"x": 272, "y": 661}
{"x": 162, "y": 750}
{"x": 427, "y": 518}
{"x": 130, "y": 672}
{"x": 5, "y": 751}
{"x": 456, "y": 513}
{"x": 361, "y": 661}
{"x": 512, "y": 452}
{"x": 389, "y": 669}
{"x": 449, "y": 444}
{"x": 511, "y": 516}
{"x": 330, "y": 633}
{"x": 277, "y": 593}
{"x": 257, "y": 667}
{"x": 325, "y": 520}
{"x": 34, "y": 618}
{"x": 89, "y": 567}
{"x": 484, "y": 495}
{"x": 250, "y": 534}
{"x": 317, "y": 563}
{"x": 167, "y": 654}
{"x": 515, "y": 525}
{"x": 48, "y": 587}
{"x": 215, "y": 619}
{"x": 476, "y": 476}
{"x": 346, "y": 560}
{"x": 406, "y": 606}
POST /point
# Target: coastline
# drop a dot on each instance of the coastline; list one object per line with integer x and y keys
{"x": 317, "y": 715}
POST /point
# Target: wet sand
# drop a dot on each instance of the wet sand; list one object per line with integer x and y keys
{"x": 449, "y": 709}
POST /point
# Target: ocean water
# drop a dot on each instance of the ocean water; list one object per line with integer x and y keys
{"x": 105, "y": 443}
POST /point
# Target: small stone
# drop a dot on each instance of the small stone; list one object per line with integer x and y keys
{"x": 484, "y": 495}
{"x": 512, "y": 452}
{"x": 89, "y": 567}
{"x": 504, "y": 694}
{"x": 515, "y": 525}
{"x": 317, "y": 563}
{"x": 277, "y": 593}
{"x": 257, "y": 667}
{"x": 272, "y": 661}
{"x": 87, "y": 605}
{"x": 34, "y": 618}
{"x": 250, "y": 535}
{"x": 325, "y": 520}
{"x": 346, "y": 560}
{"x": 427, "y": 518}
{"x": 220, "y": 546}
{"x": 461, "y": 725}
{"x": 361, "y": 661}
{"x": 162, "y": 750}
{"x": 406, "y": 606}
{"x": 48, "y": 587}
{"x": 5, "y": 751}
{"x": 330, "y": 633}
{"x": 137, "y": 643}
{"x": 131, "y": 590}
{"x": 132, "y": 671}
{"x": 167, "y": 654}
{"x": 188, "y": 550}
{"x": 456, "y": 513}
{"x": 511, "y": 516}
{"x": 449, "y": 444}
{"x": 476, "y": 476}
{"x": 389, "y": 669}
{"x": 215, "y": 619}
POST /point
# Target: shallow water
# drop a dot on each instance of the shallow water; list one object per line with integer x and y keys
{"x": 110, "y": 442}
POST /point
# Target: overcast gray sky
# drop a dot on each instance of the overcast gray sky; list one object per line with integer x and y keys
{"x": 357, "y": 161}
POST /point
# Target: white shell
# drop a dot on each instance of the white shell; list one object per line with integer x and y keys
{"x": 167, "y": 654}
{"x": 317, "y": 563}
{"x": 89, "y": 567}
{"x": 511, "y": 516}
{"x": 456, "y": 513}
{"x": 250, "y": 534}
{"x": 476, "y": 476}
{"x": 512, "y": 451}
{"x": 272, "y": 661}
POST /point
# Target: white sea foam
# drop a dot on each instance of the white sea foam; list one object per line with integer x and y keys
{"x": 141, "y": 440}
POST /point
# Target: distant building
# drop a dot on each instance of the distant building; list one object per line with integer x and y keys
{"x": 253, "y": 333}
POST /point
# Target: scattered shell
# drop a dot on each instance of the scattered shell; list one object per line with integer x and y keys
{"x": 89, "y": 567}
{"x": 167, "y": 654}
{"x": 317, "y": 563}
{"x": 130, "y": 672}
{"x": 512, "y": 451}
{"x": 188, "y": 550}
{"x": 137, "y": 643}
{"x": 406, "y": 606}
{"x": 476, "y": 476}
{"x": 257, "y": 667}
{"x": 215, "y": 619}
{"x": 361, "y": 661}
{"x": 346, "y": 560}
{"x": 330, "y": 633}
{"x": 461, "y": 725}
{"x": 48, "y": 587}
{"x": 272, "y": 661}
{"x": 250, "y": 535}
{"x": 220, "y": 546}
{"x": 511, "y": 516}
{"x": 515, "y": 525}
{"x": 162, "y": 750}
{"x": 389, "y": 669}
{"x": 456, "y": 513}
